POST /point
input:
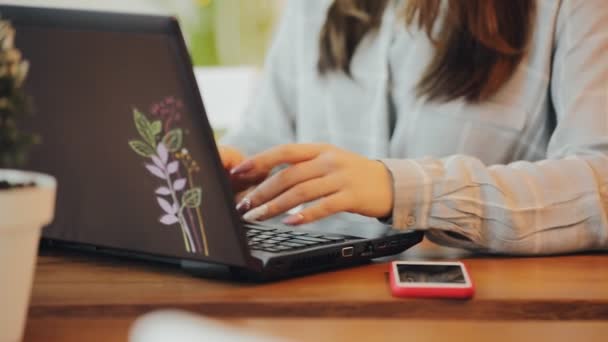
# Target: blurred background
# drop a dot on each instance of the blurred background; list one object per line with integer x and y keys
{"x": 227, "y": 40}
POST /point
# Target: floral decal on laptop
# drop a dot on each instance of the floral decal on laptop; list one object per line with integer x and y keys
{"x": 178, "y": 198}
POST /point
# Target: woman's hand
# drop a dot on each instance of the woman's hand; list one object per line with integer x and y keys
{"x": 340, "y": 180}
{"x": 232, "y": 157}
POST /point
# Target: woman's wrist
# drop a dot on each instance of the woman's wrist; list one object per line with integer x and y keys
{"x": 411, "y": 193}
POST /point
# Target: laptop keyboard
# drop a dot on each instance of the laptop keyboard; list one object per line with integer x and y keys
{"x": 275, "y": 240}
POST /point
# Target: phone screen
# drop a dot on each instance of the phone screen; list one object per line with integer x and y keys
{"x": 448, "y": 274}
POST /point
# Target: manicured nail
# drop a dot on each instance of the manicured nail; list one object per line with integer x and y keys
{"x": 242, "y": 168}
{"x": 256, "y": 213}
{"x": 294, "y": 219}
{"x": 243, "y": 206}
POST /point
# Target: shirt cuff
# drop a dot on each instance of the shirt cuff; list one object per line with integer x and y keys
{"x": 412, "y": 193}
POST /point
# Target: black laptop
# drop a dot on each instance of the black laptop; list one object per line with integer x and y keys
{"x": 125, "y": 132}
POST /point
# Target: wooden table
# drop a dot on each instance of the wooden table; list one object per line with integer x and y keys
{"x": 90, "y": 298}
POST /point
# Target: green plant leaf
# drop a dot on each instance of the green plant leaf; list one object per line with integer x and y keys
{"x": 192, "y": 198}
{"x": 173, "y": 140}
{"x": 144, "y": 127}
{"x": 156, "y": 127}
{"x": 141, "y": 148}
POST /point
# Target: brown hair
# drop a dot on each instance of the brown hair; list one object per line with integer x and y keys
{"x": 478, "y": 47}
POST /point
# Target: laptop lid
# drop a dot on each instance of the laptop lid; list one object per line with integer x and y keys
{"x": 124, "y": 130}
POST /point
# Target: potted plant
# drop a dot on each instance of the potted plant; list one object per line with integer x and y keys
{"x": 27, "y": 199}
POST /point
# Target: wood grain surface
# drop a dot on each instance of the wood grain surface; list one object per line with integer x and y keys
{"x": 571, "y": 287}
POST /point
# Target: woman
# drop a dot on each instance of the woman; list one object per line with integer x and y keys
{"x": 482, "y": 122}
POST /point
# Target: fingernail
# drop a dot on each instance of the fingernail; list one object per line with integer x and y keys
{"x": 242, "y": 168}
{"x": 294, "y": 219}
{"x": 243, "y": 206}
{"x": 256, "y": 213}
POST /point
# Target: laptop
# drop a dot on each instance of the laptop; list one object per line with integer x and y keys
{"x": 125, "y": 133}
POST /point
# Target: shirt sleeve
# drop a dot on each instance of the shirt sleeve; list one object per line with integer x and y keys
{"x": 269, "y": 117}
{"x": 557, "y": 205}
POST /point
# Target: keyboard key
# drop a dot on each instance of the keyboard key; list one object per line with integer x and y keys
{"x": 274, "y": 240}
{"x": 282, "y": 231}
{"x": 278, "y": 238}
{"x": 293, "y": 244}
{"x": 284, "y": 235}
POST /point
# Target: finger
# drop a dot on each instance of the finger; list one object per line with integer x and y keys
{"x": 284, "y": 180}
{"x": 230, "y": 157}
{"x": 299, "y": 194}
{"x": 239, "y": 184}
{"x": 325, "y": 207}
{"x": 242, "y": 194}
{"x": 264, "y": 162}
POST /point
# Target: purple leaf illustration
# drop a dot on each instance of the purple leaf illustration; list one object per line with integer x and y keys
{"x": 178, "y": 198}
{"x": 163, "y": 190}
{"x": 172, "y": 167}
{"x": 164, "y": 204}
{"x": 169, "y": 219}
{"x": 158, "y": 163}
{"x": 179, "y": 184}
{"x": 162, "y": 152}
{"x": 156, "y": 171}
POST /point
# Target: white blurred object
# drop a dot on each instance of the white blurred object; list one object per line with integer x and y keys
{"x": 180, "y": 326}
{"x": 226, "y": 92}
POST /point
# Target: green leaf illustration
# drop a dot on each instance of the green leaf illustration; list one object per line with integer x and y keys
{"x": 192, "y": 198}
{"x": 156, "y": 127}
{"x": 144, "y": 127}
{"x": 141, "y": 148}
{"x": 173, "y": 140}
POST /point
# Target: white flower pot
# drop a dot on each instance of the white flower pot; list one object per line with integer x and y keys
{"x": 23, "y": 213}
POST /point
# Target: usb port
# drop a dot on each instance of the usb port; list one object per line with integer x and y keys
{"x": 348, "y": 252}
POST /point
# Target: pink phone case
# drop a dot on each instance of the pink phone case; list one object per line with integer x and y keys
{"x": 428, "y": 291}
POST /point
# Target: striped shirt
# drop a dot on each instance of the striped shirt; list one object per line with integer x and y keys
{"x": 525, "y": 172}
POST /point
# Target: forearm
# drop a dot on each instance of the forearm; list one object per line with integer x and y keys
{"x": 553, "y": 206}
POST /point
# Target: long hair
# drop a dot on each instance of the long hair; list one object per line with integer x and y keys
{"x": 477, "y": 46}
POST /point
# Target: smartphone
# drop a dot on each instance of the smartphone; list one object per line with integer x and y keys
{"x": 430, "y": 279}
